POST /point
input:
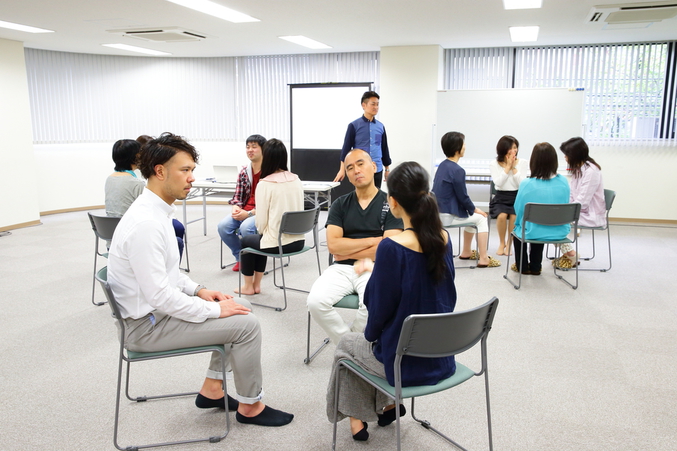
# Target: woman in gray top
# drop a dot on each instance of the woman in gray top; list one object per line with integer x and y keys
{"x": 123, "y": 186}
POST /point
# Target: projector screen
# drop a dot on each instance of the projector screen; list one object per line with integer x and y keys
{"x": 320, "y": 113}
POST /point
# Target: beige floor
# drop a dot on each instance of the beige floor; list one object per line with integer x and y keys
{"x": 590, "y": 369}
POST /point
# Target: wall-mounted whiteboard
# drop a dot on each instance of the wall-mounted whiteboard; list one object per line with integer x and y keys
{"x": 530, "y": 115}
{"x": 320, "y": 113}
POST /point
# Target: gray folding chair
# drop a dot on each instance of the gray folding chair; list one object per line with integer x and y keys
{"x": 103, "y": 227}
{"x": 446, "y": 219}
{"x": 609, "y": 197}
{"x": 431, "y": 336}
{"x": 548, "y": 215}
{"x": 132, "y": 356}
{"x": 293, "y": 223}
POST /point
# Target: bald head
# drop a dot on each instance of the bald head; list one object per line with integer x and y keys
{"x": 360, "y": 168}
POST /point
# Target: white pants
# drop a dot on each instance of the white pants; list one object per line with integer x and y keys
{"x": 336, "y": 282}
{"x": 477, "y": 219}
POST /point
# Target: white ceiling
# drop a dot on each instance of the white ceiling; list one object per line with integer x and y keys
{"x": 346, "y": 25}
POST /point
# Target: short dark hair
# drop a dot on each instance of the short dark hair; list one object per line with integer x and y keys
{"x": 260, "y": 140}
{"x": 543, "y": 163}
{"x": 125, "y": 154}
{"x": 452, "y": 143}
{"x": 161, "y": 149}
{"x": 368, "y": 95}
{"x": 143, "y": 139}
{"x": 577, "y": 153}
{"x": 274, "y": 157}
{"x": 504, "y": 145}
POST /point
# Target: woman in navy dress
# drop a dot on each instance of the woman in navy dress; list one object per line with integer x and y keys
{"x": 413, "y": 273}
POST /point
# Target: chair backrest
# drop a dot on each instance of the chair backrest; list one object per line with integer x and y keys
{"x": 609, "y": 197}
{"x": 299, "y": 222}
{"x": 551, "y": 214}
{"x": 104, "y": 226}
{"x": 445, "y": 334}
{"x": 102, "y": 277}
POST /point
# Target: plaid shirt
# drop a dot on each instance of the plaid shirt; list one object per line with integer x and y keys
{"x": 243, "y": 189}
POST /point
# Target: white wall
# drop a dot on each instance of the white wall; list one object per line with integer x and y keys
{"x": 19, "y": 200}
{"x": 644, "y": 179}
{"x": 72, "y": 176}
{"x": 410, "y": 79}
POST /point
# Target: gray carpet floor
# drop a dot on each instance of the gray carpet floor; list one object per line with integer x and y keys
{"x": 590, "y": 369}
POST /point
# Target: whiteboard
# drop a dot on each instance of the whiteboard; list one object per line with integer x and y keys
{"x": 530, "y": 115}
{"x": 320, "y": 113}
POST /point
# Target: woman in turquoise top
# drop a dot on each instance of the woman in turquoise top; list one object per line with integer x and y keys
{"x": 544, "y": 187}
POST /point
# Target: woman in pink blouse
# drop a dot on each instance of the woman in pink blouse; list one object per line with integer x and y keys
{"x": 586, "y": 188}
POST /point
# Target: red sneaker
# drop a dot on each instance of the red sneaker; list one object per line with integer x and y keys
{"x": 236, "y": 268}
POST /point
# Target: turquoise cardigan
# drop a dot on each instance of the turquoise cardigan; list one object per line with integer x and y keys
{"x": 552, "y": 191}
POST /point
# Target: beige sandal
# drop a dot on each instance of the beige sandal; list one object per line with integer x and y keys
{"x": 493, "y": 263}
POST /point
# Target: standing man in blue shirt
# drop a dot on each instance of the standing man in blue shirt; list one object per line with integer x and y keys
{"x": 368, "y": 134}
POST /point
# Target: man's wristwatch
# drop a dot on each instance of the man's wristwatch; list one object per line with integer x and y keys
{"x": 197, "y": 289}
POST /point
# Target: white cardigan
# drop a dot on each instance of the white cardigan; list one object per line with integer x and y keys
{"x": 276, "y": 194}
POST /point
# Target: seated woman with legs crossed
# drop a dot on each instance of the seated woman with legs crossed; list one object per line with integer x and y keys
{"x": 413, "y": 273}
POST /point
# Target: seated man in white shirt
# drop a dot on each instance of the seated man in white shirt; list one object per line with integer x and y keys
{"x": 162, "y": 308}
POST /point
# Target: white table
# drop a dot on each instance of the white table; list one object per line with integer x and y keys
{"x": 312, "y": 190}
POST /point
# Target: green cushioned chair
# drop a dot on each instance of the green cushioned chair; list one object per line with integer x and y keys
{"x": 132, "y": 356}
{"x": 431, "y": 336}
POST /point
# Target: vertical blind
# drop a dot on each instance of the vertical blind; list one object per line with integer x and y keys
{"x": 630, "y": 88}
{"x": 78, "y": 98}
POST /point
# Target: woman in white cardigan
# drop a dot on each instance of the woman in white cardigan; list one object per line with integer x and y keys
{"x": 278, "y": 191}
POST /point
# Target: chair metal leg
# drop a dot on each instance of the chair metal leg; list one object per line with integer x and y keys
{"x": 575, "y": 268}
{"x": 96, "y": 256}
{"x": 426, "y": 424}
{"x": 221, "y": 261}
{"x": 185, "y": 248}
{"x": 507, "y": 269}
{"x": 309, "y": 358}
{"x": 212, "y": 439}
{"x": 608, "y": 232}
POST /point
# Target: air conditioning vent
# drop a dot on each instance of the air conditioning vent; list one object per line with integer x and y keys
{"x": 633, "y": 13}
{"x": 162, "y": 34}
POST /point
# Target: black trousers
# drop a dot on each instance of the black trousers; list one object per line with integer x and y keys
{"x": 532, "y": 259}
{"x": 252, "y": 262}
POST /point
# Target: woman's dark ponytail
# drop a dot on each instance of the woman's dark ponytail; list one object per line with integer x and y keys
{"x": 409, "y": 185}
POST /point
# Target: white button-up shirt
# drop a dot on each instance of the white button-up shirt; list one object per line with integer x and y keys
{"x": 143, "y": 265}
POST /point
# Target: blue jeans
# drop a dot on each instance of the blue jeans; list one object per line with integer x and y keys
{"x": 230, "y": 230}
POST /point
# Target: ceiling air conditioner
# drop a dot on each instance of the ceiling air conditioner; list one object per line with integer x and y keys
{"x": 162, "y": 34}
{"x": 628, "y": 13}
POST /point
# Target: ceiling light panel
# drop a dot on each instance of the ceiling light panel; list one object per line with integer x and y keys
{"x": 522, "y": 4}
{"x": 26, "y": 28}
{"x": 524, "y": 34}
{"x": 306, "y": 42}
{"x": 216, "y": 10}
{"x": 131, "y": 48}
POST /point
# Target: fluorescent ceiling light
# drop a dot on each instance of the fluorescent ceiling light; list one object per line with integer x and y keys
{"x": 524, "y": 34}
{"x": 306, "y": 42}
{"x": 216, "y": 10}
{"x": 522, "y": 4}
{"x": 132, "y": 48}
{"x": 26, "y": 28}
